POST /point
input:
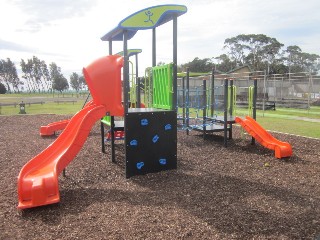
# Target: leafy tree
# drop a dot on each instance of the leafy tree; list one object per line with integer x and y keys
{"x": 224, "y": 63}
{"x": 26, "y": 68}
{"x": 36, "y": 74}
{"x": 46, "y": 75}
{"x": 9, "y": 75}
{"x": 83, "y": 83}
{"x": 59, "y": 82}
{"x": 199, "y": 65}
{"x": 299, "y": 61}
{"x": 256, "y": 50}
{"x": 3, "y": 89}
{"x": 75, "y": 81}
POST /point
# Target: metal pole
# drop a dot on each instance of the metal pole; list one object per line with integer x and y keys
{"x": 154, "y": 48}
{"x": 204, "y": 108}
{"x": 175, "y": 62}
{"x": 110, "y": 47}
{"x": 138, "y": 93}
{"x": 187, "y": 101}
{"x": 231, "y": 108}
{"x": 254, "y": 105}
{"x": 225, "y": 117}
{"x": 183, "y": 101}
{"x": 126, "y": 86}
{"x": 137, "y": 84}
{"x": 264, "y": 93}
{"x": 212, "y": 93}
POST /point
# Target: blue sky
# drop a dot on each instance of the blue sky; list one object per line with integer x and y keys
{"x": 68, "y": 32}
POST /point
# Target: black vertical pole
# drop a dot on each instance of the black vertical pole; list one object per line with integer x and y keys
{"x": 175, "y": 62}
{"x": 138, "y": 93}
{"x": 225, "y": 112}
{"x": 183, "y": 101}
{"x": 113, "y": 155}
{"x": 154, "y": 48}
{"x": 212, "y": 93}
{"x": 110, "y": 47}
{"x": 137, "y": 84}
{"x": 187, "y": 101}
{"x": 254, "y": 105}
{"x": 204, "y": 107}
{"x": 126, "y": 88}
{"x": 231, "y": 108}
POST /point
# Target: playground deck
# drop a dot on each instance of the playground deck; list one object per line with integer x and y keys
{"x": 239, "y": 192}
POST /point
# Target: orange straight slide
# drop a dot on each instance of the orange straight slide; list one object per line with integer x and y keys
{"x": 38, "y": 179}
{"x": 51, "y": 128}
{"x": 281, "y": 149}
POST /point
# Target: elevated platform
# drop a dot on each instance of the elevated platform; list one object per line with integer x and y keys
{"x": 209, "y": 128}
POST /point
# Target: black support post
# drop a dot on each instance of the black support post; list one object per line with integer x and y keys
{"x": 154, "y": 48}
{"x": 187, "y": 102}
{"x": 175, "y": 62}
{"x": 225, "y": 122}
{"x": 138, "y": 93}
{"x": 183, "y": 101}
{"x": 231, "y": 108}
{"x": 137, "y": 84}
{"x": 204, "y": 109}
{"x": 212, "y": 94}
{"x": 254, "y": 105}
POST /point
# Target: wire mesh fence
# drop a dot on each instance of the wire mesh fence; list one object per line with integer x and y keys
{"x": 290, "y": 90}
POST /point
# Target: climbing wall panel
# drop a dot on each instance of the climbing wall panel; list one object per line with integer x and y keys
{"x": 151, "y": 141}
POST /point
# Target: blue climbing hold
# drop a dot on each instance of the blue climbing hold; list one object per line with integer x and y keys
{"x": 133, "y": 142}
{"x": 155, "y": 139}
{"x": 167, "y": 127}
{"x": 140, "y": 165}
{"x": 163, "y": 161}
{"x": 144, "y": 122}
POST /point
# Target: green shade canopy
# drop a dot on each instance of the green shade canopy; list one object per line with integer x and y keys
{"x": 147, "y": 18}
{"x": 131, "y": 52}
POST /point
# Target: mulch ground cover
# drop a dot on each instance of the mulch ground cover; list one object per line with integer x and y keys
{"x": 239, "y": 192}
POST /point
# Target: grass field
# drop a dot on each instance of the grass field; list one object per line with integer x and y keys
{"x": 302, "y": 122}
{"x": 305, "y": 122}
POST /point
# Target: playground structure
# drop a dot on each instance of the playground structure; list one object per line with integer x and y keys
{"x": 150, "y": 133}
{"x": 208, "y": 102}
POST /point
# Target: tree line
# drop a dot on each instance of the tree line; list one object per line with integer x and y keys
{"x": 38, "y": 77}
{"x": 259, "y": 52}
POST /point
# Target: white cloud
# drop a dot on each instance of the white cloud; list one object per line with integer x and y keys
{"x": 68, "y": 32}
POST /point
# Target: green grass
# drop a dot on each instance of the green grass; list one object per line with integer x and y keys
{"x": 283, "y": 120}
{"x": 297, "y": 127}
{"x": 47, "y": 108}
{"x": 18, "y": 97}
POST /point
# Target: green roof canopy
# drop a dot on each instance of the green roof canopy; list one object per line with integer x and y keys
{"x": 131, "y": 52}
{"x": 147, "y": 18}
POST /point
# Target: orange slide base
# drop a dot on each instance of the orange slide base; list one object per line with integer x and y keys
{"x": 51, "y": 128}
{"x": 38, "y": 179}
{"x": 281, "y": 149}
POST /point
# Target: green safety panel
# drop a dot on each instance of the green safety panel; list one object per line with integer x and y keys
{"x": 106, "y": 120}
{"x": 162, "y": 86}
